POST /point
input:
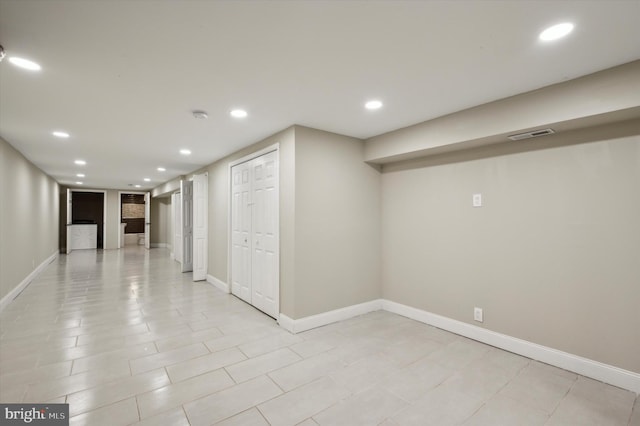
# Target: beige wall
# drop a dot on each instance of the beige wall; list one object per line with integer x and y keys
{"x": 552, "y": 256}
{"x": 329, "y": 221}
{"x": 219, "y": 212}
{"x": 28, "y": 217}
{"x": 112, "y": 198}
{"x": 161, "y": 221}
{"x": 337, "y": 223}
{"x": 606, "y": 96}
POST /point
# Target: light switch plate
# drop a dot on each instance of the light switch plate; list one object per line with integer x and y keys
{"x": 477, "y": 200}
{"x": 477, "y": 314}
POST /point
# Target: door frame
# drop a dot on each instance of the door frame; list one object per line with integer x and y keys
{"x": 104, "y": 213}
{"x": 184, "y": 184}
{"x": 146, "y": 219}
{"x": 271, "y": 148}
{"x": 176, "y": 226}
{"x": 200, "y": 207}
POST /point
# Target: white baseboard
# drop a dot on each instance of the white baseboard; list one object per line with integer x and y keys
{"x": 596, "y": 370}
{"x": 219, "y": 284}
{"x": 8, "y": 298}
{"x": 313, "y": 321}
{"x": 158, "y": 245}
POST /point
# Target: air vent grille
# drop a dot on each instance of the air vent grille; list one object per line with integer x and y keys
{"x": 532, "y": 134}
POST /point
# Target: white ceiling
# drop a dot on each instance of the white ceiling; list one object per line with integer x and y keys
{"x": 122, "y": 77}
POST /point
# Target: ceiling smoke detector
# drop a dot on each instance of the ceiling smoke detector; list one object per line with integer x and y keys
{"x": 200, "y": 115}
{"x": 531, "y": 134}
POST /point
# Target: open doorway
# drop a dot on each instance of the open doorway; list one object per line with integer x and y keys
{"x": 85, "y": 212}
{"x": 133, "y": 219}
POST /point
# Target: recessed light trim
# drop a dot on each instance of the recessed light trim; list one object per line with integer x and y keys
{"x": 373, "y": 104}
{"x": 556, "y": 32}
{"x": 80, "y": 162}
{"x": 238, "y": 113}
{"x": 60, "y": 134}
{"x": 79, "y": 183}
{"x": 137, "y": 186}
{"x": 81, "y": 175}
{"x": 147, "y": 180}
{"x": 161, "y": 169}
{"x": 25, "y": 63}
{"x": 185, "y": 152}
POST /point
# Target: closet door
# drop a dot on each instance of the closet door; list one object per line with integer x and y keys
{"x": 200, "y": 226}
{"x": 186, "y": 189}
{"x": 264, "y": 234}
{"x": 240, "y": 231}
{"x": 255, "y": 271}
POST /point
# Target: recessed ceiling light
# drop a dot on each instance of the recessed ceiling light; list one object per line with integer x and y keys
{"x": 147, "y": 180}
{"x": 375, "y": 104}
{"x": 137, "y": 186}
{"x": 185, "y": 152}
{"x": 60, "y": 134}
{"x": 555, "y": 32}
{"x": 80, "y": 162}
{"x": 238, "y": 113}
{"x": 25, "y": 63}
{"x": 79, "y": 183}
{"x": 162, "y": 169}
{"x": 80, "y": 175}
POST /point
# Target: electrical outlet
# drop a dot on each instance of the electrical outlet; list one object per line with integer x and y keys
{"x": 477, "y": 314}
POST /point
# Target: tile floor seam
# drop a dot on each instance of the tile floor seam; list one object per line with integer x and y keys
{"x": 563, "y": 398}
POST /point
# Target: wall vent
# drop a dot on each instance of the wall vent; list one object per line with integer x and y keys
{"x": 532, "y": 134}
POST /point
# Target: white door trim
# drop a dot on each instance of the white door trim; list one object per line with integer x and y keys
{"x": 104, "y": 213}
{"x": 200, "y": 226}
{"x": 271, "y": 148}
{"x": 258, "y": 153}
{"x": 120, "y": 242}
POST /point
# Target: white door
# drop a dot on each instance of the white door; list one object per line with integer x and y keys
{"x": 69, "y": 218}
{"x": 186, "y": 189}
{"x": 200, "y": 228}
{"x": 264, "y": 227}
{"x": 255, "y": 232}
{"x": 176, "y": 204}
{"x": 240, "y": 230}
{"x": 147, "y": 220}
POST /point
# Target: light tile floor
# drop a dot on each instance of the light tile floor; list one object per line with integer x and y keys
{"x": 125, "y": 338}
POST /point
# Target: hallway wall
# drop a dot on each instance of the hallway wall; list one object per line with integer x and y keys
{"x": 29, "y": 206}
{"x": 552, "y": 255}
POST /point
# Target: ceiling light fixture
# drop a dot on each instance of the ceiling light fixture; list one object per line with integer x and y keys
{"x": 137, "y": 186}
{"x": 374, "y": 104}
{"x": 238, "y": 113}
{"x": 200, "y": 115}
{"x": 147, "y": 180}
{"x": 555, "y": 32}
{"x": 80, "y": 162}
{"x": 80, "y": 175}
{"x": 79, "y": 183}
{"x": 185, "y": 152}
{"x": 60, "y": 134}
{"x": 162, "y": 169}
{"x": 25, "y": 63}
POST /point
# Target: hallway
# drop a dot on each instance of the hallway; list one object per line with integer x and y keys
{"x": 124, "y": 337}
